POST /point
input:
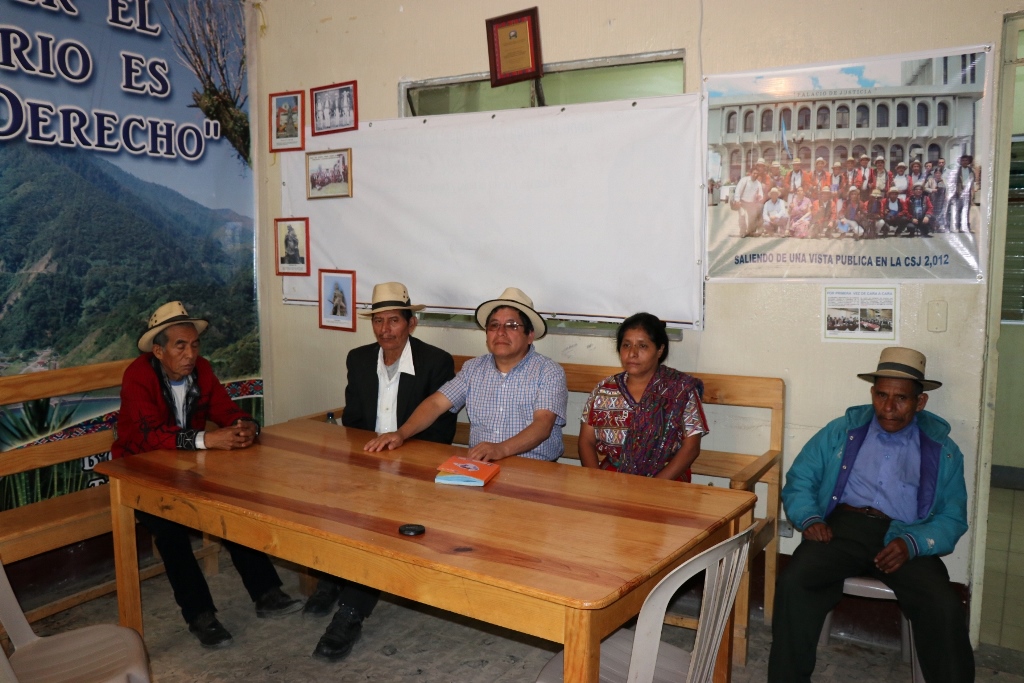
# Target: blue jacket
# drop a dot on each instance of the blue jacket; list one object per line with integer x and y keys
{"x": 815, "y": 482}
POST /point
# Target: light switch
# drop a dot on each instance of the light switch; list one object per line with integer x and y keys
{"x": 938, "y": 313}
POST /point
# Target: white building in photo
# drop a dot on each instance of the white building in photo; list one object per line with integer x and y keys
{"x": 932, "y": 114}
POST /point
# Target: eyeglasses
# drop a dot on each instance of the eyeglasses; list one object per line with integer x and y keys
{"x": 509, "y": 325}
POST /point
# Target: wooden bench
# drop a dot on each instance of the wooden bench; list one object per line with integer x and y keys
{"x": 743, "y": 471}
{"x": 49, "y": 524}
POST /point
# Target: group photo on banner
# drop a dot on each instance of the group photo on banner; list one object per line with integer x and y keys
{"x": 858, "y": 170}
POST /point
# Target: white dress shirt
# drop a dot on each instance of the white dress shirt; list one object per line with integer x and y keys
{"x": 387, "y": 389}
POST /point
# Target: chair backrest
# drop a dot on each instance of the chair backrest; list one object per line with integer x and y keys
{"x": 12, "y": 617}
{"x": 723, "y": 565}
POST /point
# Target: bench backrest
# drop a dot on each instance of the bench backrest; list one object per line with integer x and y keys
{"x": 32, "y": 386}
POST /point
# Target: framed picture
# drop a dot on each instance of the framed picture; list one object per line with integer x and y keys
{"x": 338, "y": 300}
{"x": 335, "y": 108}
{"x": 513, "y": 47}
{"x": 291, "y": 246}
{"x": 288, "y": 121}
{"x": 329, "y": 174}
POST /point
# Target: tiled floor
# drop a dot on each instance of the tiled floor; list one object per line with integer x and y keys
{"x": 403, "y": 641}
{"x": 1002, "y": 608}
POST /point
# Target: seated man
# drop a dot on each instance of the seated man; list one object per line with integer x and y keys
{"x": 167, "y": 396}
{"x": 387, "y": 380}
{"x": 878, "y": 492}
{"x": 515, "y": 397}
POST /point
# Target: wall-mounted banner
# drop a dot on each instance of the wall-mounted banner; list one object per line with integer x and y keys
{"x": 860, "y": 170}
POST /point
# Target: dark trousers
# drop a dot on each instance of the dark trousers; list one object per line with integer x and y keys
{"x": 191, "y": 591}
{"x": 813, "y": 584}
{"x": 357, "y": 596}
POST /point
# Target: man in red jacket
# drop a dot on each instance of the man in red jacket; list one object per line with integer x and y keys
{"x": 167, "y": 396}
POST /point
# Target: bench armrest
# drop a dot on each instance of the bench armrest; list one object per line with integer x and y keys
{"x": 752, "y": 473}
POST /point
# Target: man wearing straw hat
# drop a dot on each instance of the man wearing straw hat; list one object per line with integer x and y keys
{"x": 387, "y": 380}
{"x": 878, "y": 492}
{"x": 168, "y": 394}
{"x": 515, "y": 397}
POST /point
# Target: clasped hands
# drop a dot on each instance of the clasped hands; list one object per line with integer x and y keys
{"x": 239, "y": 435}
{"x": 891, "y": 558}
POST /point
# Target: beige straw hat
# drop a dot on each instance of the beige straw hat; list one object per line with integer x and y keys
{"x": 517, "y": 299}
{"x": 390, "y": 296}
{"x": 168, "y": 315}
{"x": 898, "y": 362}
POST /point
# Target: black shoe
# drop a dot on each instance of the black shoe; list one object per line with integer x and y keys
{"x": 276, "y": 603}
{"x": 321, "y": 602}
{"x": 345, "y": 628}
{"x": 209, "y": 631}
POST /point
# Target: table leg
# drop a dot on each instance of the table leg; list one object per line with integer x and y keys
{"x": 126, "y": 560}
{"x": 582, "y": 648}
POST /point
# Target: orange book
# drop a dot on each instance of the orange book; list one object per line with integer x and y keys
{"x": 465, "y": 472}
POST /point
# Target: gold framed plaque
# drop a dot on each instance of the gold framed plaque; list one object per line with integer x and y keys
{"x": 513, "y": 47}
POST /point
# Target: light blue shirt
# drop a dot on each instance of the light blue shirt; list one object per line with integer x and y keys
{"x": 500, "y": 405}
{"x": 887, "y": 472}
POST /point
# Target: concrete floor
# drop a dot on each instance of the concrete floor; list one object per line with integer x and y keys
{"x": 404, "y": 641}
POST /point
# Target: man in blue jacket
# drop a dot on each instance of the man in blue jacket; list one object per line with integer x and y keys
{"x": 878, "y": 492}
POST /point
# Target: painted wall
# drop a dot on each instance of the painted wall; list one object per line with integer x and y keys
{"x": 755, "y": 329}
{"x": 1008, "y": 439}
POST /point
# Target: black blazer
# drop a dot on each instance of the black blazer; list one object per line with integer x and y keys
{"x": 434, "y": 367}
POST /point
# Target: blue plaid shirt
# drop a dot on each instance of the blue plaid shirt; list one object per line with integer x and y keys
{"x": 500, "y": 406}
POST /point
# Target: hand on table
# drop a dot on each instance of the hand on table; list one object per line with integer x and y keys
{"x": 239, "y": 435}
{"x": 387, "y": 441}
{"x": 488, "y": 452}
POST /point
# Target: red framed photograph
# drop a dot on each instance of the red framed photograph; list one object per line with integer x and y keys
{"x": 338, "y": 300}
{"x": 513, "y": 47}
{"x": 291, "y": 246}
{"x": 335, "y": 108}
{"x": 288, "y": 121}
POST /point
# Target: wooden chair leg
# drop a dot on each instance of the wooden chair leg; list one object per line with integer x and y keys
{"x": 741, "y": 618}
{"x": 771, "y": 567}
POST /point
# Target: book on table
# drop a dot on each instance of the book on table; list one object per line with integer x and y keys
{"x": 465, "y": 472}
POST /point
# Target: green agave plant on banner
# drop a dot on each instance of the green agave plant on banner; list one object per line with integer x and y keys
{"x": 26, "y": 423}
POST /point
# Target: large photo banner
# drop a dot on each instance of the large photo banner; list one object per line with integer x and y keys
{"x": 854, "y": 171}
{"x": 124, "y": 183}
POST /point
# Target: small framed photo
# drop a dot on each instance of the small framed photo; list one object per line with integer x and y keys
{"x": 288, "y": 121}
{"x": 291, "y": 246}
{"x": 338, "y": 300}
{"x": 513, "y": 47}
{"x": 329, "y": 174}
{"x": 335, "y": 108}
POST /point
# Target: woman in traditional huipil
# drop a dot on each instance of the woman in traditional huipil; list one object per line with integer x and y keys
{"x": 648, "y": 419}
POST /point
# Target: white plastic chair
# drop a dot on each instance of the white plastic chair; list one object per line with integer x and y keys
{"x": 642, "y": 657}
{"x": 93, "y": 654}
{"x": 866, "y": 587}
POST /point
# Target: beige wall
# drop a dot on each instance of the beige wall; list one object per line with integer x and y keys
{"x": 757, "y": 329}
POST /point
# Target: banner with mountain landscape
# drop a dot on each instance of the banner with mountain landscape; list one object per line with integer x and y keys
{"x": 125, "y": 182}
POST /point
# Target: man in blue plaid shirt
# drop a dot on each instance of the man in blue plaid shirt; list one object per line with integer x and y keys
{"x": 515, "y": 397}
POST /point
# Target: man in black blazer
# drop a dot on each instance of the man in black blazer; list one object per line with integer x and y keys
{"x": 387, "y": 380}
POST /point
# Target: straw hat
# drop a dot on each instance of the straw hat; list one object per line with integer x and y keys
{"x": 390, "y": 296}
{"x": 517, "y": 299}
{"x": 898, "y": 362}
{"x": 168, "y": 315}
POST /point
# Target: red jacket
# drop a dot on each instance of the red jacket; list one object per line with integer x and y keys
{"x": 886, "y": 181}
{"x": 147, "y": 421}
{"x": 806, "y": 182}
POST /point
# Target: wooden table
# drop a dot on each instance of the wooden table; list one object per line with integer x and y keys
{"x": 556, "y": 551}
